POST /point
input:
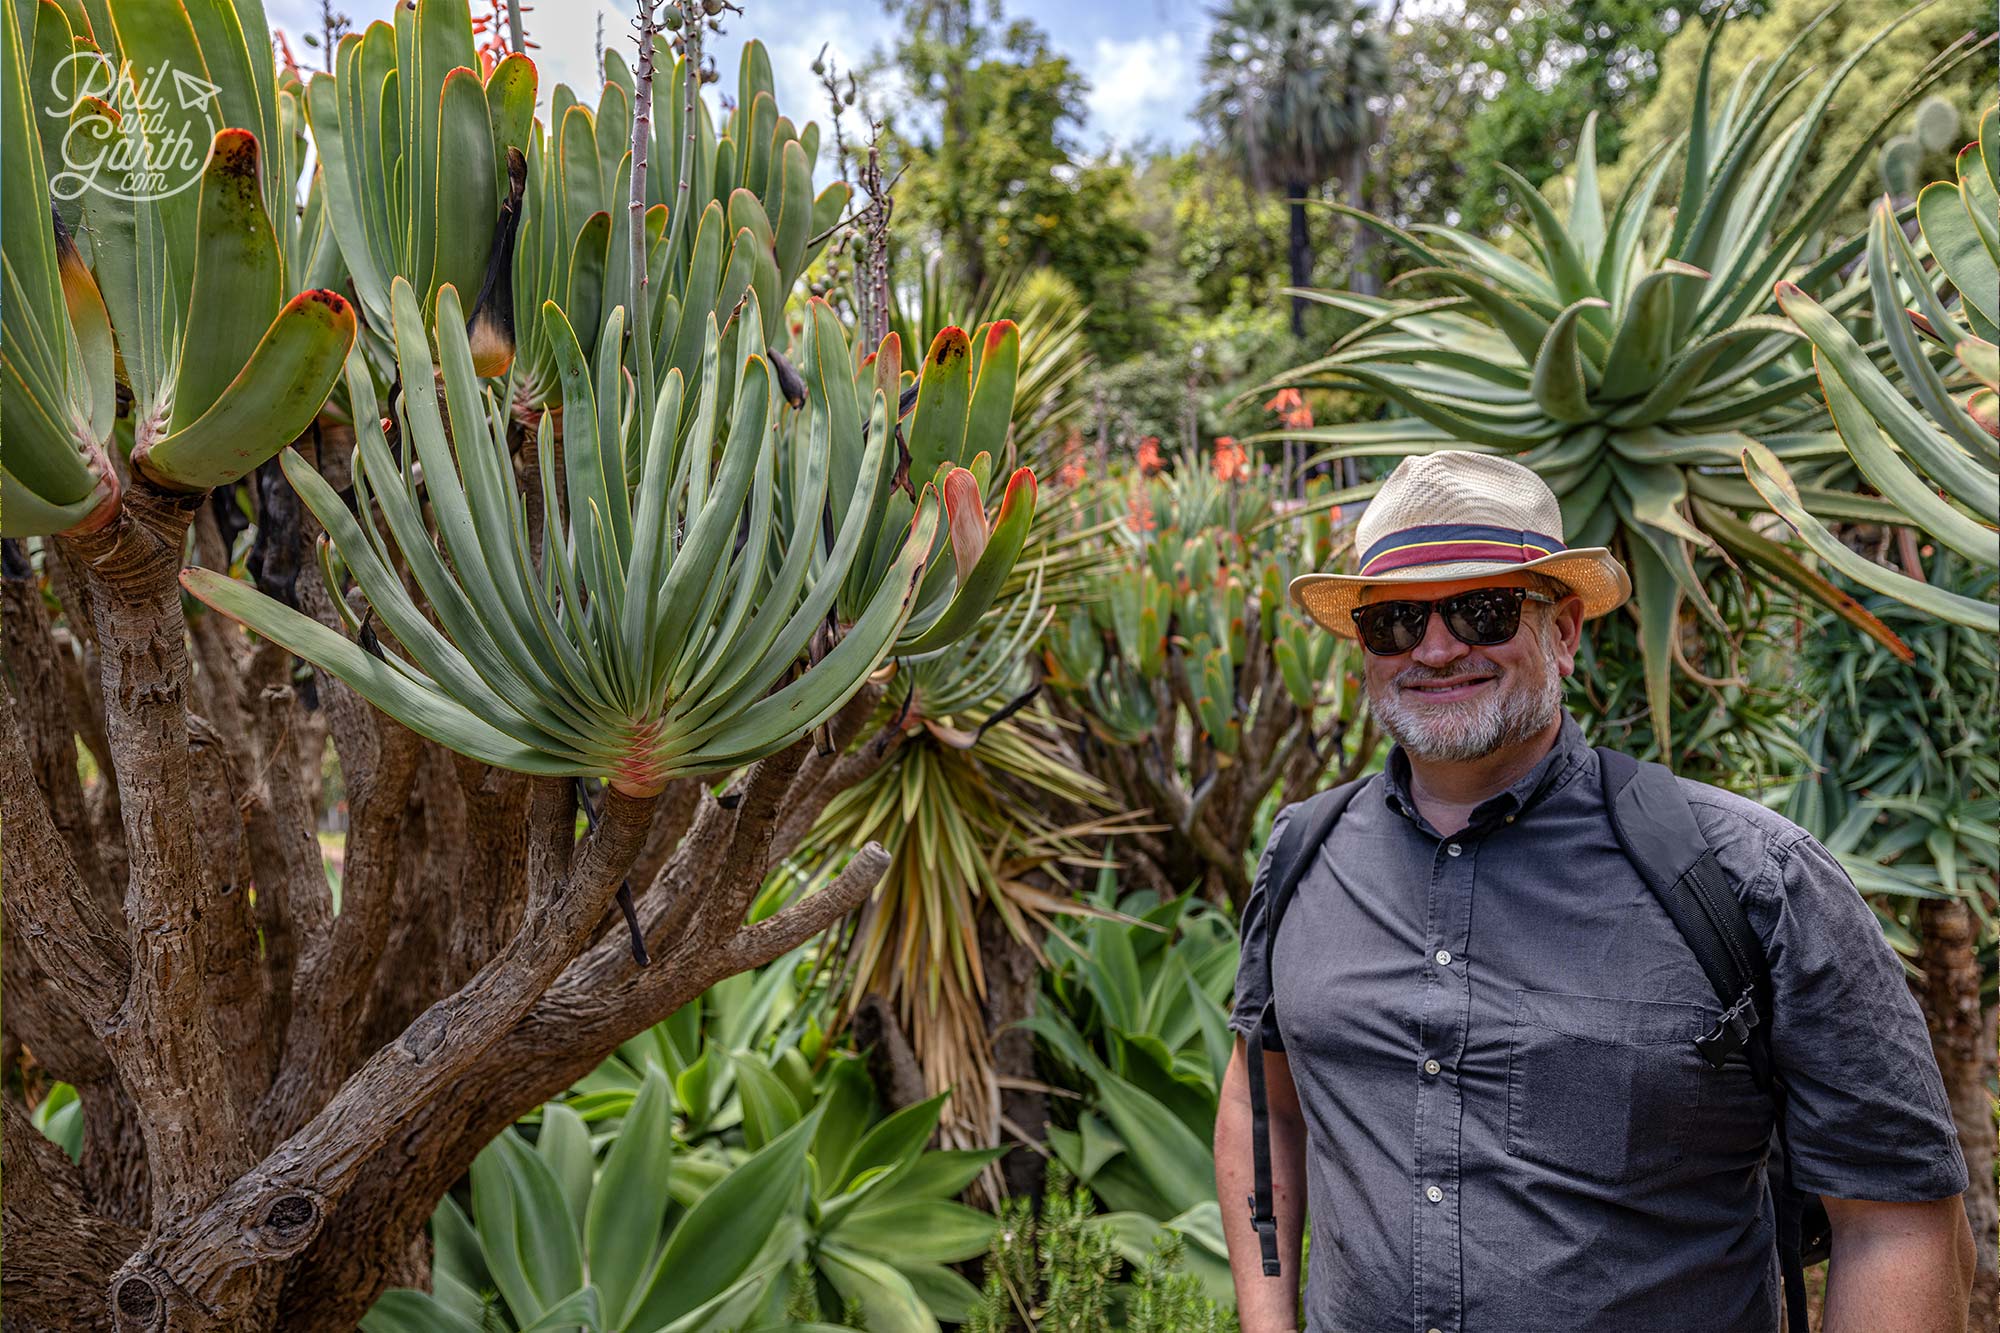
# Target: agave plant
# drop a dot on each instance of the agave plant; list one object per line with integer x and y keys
{"x": 628, "y": 1225}
{"x": 419, "y": 151}
{"x": 1937, "y": 458}
{"x": 1629, "y": 365}
{"x": 190, "y": 295}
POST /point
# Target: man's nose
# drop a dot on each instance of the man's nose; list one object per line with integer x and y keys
{"x": 1440, "y": 647}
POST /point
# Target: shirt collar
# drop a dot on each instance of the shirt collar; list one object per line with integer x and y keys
{"x": 1567, "y": 752}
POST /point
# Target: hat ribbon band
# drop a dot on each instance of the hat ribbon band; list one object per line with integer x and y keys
{"x": 1443, "y": 543}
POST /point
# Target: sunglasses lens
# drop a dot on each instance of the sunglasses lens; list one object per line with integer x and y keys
{"x": 1482, "y": 617}
{"x": 1388, "y": 628}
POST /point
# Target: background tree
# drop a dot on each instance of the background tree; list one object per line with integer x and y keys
{"x": 1289, "y": 87}
{"x": 1485, "y": 81}
{"x": 993, "y": 173}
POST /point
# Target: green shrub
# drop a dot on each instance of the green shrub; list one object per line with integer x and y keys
{"x": 1058, "y": 1273}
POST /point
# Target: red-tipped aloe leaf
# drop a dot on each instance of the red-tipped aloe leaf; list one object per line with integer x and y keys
{"x": 270, "y": 402}
{"x": 977, "y": 590}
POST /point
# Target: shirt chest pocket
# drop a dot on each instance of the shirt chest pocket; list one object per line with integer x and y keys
{"x": 1601, "y": 1088}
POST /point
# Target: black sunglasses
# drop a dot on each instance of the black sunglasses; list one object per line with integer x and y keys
{"x": 1479, "y": 618}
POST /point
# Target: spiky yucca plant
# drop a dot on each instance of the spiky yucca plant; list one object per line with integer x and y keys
{"x": 1629, "y": 364}
{"x": 1937, "y": 458}
{"x": 975, "y": 799}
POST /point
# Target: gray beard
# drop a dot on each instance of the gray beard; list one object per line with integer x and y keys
{"x": 1520, "y": 708}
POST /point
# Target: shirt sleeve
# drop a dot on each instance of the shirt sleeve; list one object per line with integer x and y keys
{"x": 1254, "y": 944}
{"x": 1866, "y": 1115}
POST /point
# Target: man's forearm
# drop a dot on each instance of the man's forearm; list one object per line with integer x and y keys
{"x": 1264, "y": 1304}
{"x": 1898, "y": 1268}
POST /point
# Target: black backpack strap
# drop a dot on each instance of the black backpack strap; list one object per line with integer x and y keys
{"x": 1657, "y": 828}
{"x": 1290, "y": 859}
{"x": 1661, "y": 837}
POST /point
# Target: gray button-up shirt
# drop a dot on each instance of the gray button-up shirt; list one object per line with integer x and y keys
{"x": 1508, "y": 1127}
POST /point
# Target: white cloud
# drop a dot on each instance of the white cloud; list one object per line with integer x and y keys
{"x": 1144, "y": 87}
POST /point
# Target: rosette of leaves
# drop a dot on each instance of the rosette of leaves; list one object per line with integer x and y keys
{"x": 947, "y": 440}
{"x": 189, "y": 296}
{"x": 1931, "y": 447}
{"x": 755, "y": 220}
{"x": 418, "y": 150}
{"x": 656, "y": 631}
{"x": 1630, "y": 364}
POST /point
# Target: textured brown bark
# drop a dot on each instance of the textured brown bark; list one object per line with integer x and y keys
{"x": 54, "y": 1282}
{"x": 1013, "y": 979}
{"x": 1962, "y": 1039}
{"x": 35, "y": 667}
{"x": 166, "y": 1050}
{"x": 275, "y": 1092}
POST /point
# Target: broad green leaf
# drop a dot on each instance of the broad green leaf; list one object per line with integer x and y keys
{"x": 628, "y": 1208}
{"x": 718, "y": 1240}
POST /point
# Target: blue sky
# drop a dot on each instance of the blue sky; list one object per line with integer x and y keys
{"x": 1142, "y": 57}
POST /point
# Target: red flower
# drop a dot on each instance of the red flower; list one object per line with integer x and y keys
{"x": 1232, "y": 462}
{"x": 1140, "y": 515}
{"x": 1290, "y": 405}
{"x": 1149, "y": 455}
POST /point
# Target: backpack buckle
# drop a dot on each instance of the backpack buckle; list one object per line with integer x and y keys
{"x": 1731, "y": 1032}
{"x": 1267, "y": 1237}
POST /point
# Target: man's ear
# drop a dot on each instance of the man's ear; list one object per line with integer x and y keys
{"x": 1569, "y": 633}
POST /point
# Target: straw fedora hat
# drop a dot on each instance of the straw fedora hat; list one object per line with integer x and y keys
{"x": 1457, "y": 515}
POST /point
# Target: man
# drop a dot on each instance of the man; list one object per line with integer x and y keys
{"x": 1487, "y": 1097}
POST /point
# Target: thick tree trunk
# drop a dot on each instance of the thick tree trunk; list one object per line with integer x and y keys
{"x": 498, "y": 973}
{"x": 1962, "y": 1038}
{"x": 1299, "y": 254}
{"x": 1361, "y": 263}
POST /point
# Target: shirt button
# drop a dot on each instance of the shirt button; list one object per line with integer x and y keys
{"x": 1454, "y": 849}
{"x": 1434, "y": 1194}
{"x": 1432, "y": 1066}
{"x": 1443, "y": 957}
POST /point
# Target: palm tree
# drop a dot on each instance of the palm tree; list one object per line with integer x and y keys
{"x": 1289, "y": 83}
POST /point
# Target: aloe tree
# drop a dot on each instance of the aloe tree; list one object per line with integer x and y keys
{"x": 277, "y": 1076}
{"x": 1629, "y": 359}
{"x": 1197, "y": 688}
{"x": 1931, "y": 446}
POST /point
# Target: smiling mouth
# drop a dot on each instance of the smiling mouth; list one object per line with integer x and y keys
{"x": 1445, "y": 691}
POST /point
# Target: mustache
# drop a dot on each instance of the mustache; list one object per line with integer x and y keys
{"x": 1417, "y": 674}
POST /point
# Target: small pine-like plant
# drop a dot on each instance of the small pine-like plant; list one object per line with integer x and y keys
{"x": 802, "y": 1301}
{"x": 1058, "y": 1273}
